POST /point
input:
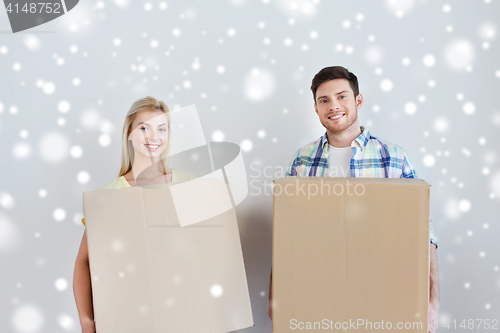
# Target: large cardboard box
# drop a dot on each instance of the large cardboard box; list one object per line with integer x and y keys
{"x": 157, "y": 268}
{"x": 350, "y": 253}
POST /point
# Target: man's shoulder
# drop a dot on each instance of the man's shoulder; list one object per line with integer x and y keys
{"x": 305, "y": 157}
{"x": 387, "y": 146}
{"x": 309, "y": 149}
{"x": 391, "y": 156}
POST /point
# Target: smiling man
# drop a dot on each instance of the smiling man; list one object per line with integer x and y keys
{"x": 349, "y": 150}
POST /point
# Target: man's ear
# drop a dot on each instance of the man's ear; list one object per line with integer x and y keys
{"x": 316, "y": 108}
{"x": 359, "y": 101}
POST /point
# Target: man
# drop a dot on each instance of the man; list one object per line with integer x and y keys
{"x": 349, "y": 150}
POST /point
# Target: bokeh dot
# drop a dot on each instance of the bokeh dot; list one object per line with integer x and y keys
{"x": 216, "y": 290}
{"x": 410, "y": 108}
{"x": 429, "y": 160}
{"x": 63, "y": 106}
{"x": 246, "y": 145}
{"x": 27, "y": 319}
{"x": 61, "y": 284}
{"x": 49, "y": 88}
{"x": 83, "y": 177}
{"x": 386, "y": 85}
{"x": 59, "y": 214}
{"x": 469, "y": 108}
{"x": 218, "y": 136}
{"x": 464, "y": 205}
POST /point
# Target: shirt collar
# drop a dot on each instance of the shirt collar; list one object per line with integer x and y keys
{"x": 361, "y": 141}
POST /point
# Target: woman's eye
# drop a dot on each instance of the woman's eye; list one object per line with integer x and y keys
{"x": 144, "y": 128}
{"x": 162, "y": 129}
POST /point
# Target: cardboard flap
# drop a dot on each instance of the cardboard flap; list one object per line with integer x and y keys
{"x": 201, "y": 199}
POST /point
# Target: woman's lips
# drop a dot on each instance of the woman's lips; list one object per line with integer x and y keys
{"x": 151, "y": 147}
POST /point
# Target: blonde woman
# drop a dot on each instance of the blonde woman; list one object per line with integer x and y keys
{"x": 145, "y": 141}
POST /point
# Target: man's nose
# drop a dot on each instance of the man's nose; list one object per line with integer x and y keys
{"x": 335, "y": 105}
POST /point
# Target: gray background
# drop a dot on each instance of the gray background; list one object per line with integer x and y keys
{"x": 271, "y": 109}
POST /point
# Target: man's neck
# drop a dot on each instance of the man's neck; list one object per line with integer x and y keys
{"x": 345, "y": 138}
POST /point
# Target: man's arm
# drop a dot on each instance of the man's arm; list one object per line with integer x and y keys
{"x": 434, "y": 303}
{"x": 409, "y": 172}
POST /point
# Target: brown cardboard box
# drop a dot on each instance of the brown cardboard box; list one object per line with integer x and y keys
{"x": 150, "y": 274}
{"x": 350, "y": 253}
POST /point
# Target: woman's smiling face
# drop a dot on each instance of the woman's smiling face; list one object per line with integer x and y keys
{"x": 149, "y": 133}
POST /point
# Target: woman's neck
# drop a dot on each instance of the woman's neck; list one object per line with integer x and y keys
{"x": 146, "y": 170}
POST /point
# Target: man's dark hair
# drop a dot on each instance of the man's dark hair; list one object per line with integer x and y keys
{"x": 333, "y": 73}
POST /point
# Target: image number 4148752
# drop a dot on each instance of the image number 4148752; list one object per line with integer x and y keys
{"x": 28, "y": 14}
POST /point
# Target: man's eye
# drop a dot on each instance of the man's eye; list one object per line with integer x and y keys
{"x": 342, "y": 97}
{"x": 323, "y": 101}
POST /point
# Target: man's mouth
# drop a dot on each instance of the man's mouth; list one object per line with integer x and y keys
{"x": 336, "y": 116}
{"x": 152, "y": 147}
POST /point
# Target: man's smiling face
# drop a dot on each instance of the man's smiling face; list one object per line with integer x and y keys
{"x": 336, "y": 105}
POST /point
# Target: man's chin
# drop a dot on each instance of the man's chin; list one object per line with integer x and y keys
{"x": 337, "y": 129}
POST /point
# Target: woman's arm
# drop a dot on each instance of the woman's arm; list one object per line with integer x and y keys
{"x": 82, "y": 288}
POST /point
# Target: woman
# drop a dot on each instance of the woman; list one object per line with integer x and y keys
{"x": 145, "y": 141}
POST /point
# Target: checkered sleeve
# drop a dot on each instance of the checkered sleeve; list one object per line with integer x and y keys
{"x": 408, "y": 170}
{"x": 431, "y": 235}
{"x": 294, "y": 163}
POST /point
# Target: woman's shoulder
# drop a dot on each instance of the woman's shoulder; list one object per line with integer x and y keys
{"x": 182, "y": 175}
{"x": 119, "y": 182}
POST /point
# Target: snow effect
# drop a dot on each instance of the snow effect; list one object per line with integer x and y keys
{"x": 27, "y": 319}
{"x": 259, "y": 84}
{"x": 61, "y": 284}
{"x": 54, "y": 147}
{"x": 386, "y": 85}
{"x": 249, "y": 77}
{"x": 59, "y": 214}
{"x": 9, "y": 234}
{"x": 459, "y": 54}
{"x": 218, "y": 136}
{"x": 216, "y": 290}
{"x": 246, "y": 145}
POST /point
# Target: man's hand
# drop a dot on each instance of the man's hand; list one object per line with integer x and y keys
{"x": 433, "y": 316}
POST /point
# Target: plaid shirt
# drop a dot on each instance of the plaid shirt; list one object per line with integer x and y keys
{"x": 371, "y": 158}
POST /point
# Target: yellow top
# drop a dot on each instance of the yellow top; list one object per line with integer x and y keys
{"x": 121, "y": 182}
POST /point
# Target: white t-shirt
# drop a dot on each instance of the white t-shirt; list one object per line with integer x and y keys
{"x": 339, "y": 161}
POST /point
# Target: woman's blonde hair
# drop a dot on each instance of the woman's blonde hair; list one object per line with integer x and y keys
{"x": 143, "y": 104}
